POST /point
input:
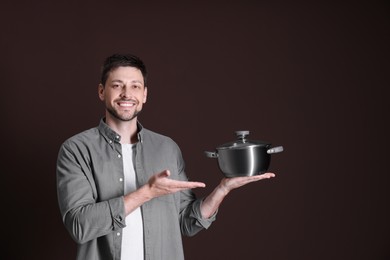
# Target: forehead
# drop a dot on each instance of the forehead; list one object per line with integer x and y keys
{"x": 125, "y": 73}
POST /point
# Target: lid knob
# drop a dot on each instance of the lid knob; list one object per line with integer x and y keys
{"x": 242, "y": 134}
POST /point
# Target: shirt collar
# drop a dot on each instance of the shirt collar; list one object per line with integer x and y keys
{"x": 111, "y": 135}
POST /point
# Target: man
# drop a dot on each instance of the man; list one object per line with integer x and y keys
{"x": 122, "y": 189}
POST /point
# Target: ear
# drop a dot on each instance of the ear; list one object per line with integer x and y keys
{"x": 145, "y": 94}
{"x": 101, "y": 92}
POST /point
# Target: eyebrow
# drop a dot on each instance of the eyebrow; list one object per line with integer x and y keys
{"x": 120, "y": 81}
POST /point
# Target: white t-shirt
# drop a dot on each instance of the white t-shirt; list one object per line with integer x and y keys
{"x": 132, "y": 240}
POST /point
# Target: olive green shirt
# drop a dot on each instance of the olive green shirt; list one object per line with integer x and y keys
{"x": 90, "y": 186}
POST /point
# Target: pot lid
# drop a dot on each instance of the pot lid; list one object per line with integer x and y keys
{"x": 242, "y": 142}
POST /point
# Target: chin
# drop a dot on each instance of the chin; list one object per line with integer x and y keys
{"x": 123, "y": 117}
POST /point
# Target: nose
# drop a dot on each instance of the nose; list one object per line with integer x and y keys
{"x": 126, "y": 92}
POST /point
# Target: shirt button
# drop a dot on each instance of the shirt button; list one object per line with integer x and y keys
{"x": 118, "y": 234}
{"x": 119, "y": 156}
{"x": 110, "y": 141}
{"x": 120, "y": 179}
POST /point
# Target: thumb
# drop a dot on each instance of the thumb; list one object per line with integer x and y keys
{"x": 164, "y": 174}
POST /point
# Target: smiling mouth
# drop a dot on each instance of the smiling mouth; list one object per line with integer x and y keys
{"x": 126, "y": 103}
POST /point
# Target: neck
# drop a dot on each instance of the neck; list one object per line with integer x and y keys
{"x": 126, "y": 129}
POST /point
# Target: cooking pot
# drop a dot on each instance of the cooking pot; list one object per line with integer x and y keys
{"x": 244, "y": 157}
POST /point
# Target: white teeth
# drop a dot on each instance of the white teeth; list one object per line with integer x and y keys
{"x": 126, "y": 104}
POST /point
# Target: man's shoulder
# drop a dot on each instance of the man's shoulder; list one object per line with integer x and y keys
{"x": 157, "y": 138}
{"x": 84, "y": 137}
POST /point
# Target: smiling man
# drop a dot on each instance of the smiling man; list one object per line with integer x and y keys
{"x": 122, "y": 189}
{"x": 126, "y": 93}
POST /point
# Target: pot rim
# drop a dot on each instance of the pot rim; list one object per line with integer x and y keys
{"x": 243, "y": 145}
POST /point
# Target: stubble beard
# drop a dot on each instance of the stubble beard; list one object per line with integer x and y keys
{"x": 123, "y": 118}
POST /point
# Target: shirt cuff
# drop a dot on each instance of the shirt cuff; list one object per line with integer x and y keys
{"x": 117, "y": 212}
{"x": 196, "y": 213}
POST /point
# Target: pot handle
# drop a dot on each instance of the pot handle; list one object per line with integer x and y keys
{"x": 277, "y": 149}
{"x": 211, "y": 154}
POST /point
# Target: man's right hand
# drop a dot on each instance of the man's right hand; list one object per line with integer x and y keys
{"x": 160, "y": 184}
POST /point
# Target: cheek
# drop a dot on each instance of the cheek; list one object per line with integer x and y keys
{"x": 106, "y": 98}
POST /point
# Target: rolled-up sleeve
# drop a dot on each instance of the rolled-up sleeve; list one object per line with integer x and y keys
{"x": 83, "y": 215}
{"x": 197, "y": 214}
{"x": 191, "y": 219}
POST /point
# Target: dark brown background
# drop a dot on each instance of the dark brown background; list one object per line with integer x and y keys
{"x": 310, "y": 77}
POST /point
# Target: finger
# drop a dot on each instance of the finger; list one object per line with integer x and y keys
{"x": 186, "y": 184}
{"x": 197, "y": 184}
{"x": 268, "y": 175}
{"x": 263, "y": 176}
{"x": 259, "y": 177}
{"x": 191, "y": 184}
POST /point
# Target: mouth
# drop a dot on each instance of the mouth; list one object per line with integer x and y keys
{"x": 127, "y": 103}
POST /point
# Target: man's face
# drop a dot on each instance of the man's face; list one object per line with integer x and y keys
{"x": 124, "y": 93}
